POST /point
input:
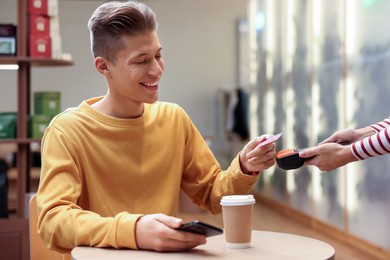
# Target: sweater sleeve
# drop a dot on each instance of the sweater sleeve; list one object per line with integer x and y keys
{"x": 385, "y": 123}
{"x": 374, "y": 145}
{"x": 62, "y": 223}
{"x": 204, "y": 181}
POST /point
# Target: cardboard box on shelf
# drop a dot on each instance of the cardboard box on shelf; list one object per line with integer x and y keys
{"x": 8, "y": 30}
{"x": 44, "y": 25}
{"x": 45, "y": 46}
{"x": 7, "y": 39}
{"x": 47, "y": 103}
{"x": 37, "y": 125}
{"x": 7, "y": 45}
{"x": 8, "y": 125}
{"x": 43, "y": 7}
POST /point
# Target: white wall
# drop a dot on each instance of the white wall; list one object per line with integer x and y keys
{"x": 199, "y": 48}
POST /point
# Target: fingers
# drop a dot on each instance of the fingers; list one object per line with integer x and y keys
{"x": 265, "y": 139}
{"x": 176, "y": 240}
{"x": 260, "y": 166}
{"x": 255, "y": 142}
{"x": 185, "y": 239}
{"x": 311, "y": 161}
{"x": 158, "y": 232}
{"x": 260, "y": 151}
{"x": 189, "y": 239}
{"x": 309, "y": 152}
{"x": 260, "y": 159}
{"x": 324, "y": 167}
{"x": 169, "y": 221}
{"x": 262, "y": 155}
{"x": 343, "y": 136}
{"x": 332, "y": 139}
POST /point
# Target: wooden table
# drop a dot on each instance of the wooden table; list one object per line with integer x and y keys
{"x": 265, "y": 245}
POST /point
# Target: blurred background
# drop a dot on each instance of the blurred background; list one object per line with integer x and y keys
{"x": 307, "y": 68}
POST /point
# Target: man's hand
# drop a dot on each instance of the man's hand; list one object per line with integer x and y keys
{"x": 257, "y": 159}
{"x": 157, "y": 232}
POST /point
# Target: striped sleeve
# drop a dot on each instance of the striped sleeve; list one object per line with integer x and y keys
{"x": 374, "y": 145}
{"x": 381, "y": 125}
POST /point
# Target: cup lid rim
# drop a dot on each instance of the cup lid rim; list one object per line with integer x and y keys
{"x": 237, "y": 200}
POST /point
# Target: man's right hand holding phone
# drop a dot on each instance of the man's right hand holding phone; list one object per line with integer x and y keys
{"x": 158, "y": 232}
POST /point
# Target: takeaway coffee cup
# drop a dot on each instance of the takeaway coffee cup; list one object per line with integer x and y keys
{"x": 237, "y": 213}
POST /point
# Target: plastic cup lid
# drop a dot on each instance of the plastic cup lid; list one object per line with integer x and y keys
{"x": 237, "y": 200}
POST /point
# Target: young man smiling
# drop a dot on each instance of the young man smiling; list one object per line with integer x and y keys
{"x": 113, "y": 167}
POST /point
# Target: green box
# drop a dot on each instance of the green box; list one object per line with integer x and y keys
{"x": 8, "y": 125}
{"x": 37, "y": 125}
{"x": 47, "y": 103}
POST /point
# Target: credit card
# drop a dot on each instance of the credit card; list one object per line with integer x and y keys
{"x": 271, "y": 139}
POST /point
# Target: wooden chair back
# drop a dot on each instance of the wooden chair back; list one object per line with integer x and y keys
{"x": 38, "y": 250}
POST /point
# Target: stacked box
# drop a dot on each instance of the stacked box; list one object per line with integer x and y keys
{"x": 44, "y": 36}
{"x": 8, "y": 125}
{"x": 44, "y": 25}
{"x": 45, "y": 46}
{"x": 47, "y": 103}
{"x": 37, "y": 125}
{"x": 7, "y": 39}
{"x": 43, "y": 7}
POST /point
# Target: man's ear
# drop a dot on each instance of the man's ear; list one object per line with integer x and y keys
{"x": 101, "y": 65}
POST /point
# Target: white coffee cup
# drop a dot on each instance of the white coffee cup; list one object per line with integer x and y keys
{"x": 237, "y": 213}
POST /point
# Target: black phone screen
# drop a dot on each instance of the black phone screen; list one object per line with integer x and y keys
{"x": 200, "y": 227}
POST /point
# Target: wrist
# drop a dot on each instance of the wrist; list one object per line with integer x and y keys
{"x": 251, "y": 173}
{"x": 243, "y": 169}
{"x": 350, "y": 154}
{"x": 246, "y": 172}
{"x": 366, "y": 131}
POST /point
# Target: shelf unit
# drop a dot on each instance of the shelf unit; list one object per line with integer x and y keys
{"x": 14, "y": 231}
{"x": 34, "y": 62}
{"x": 12, "y": 181}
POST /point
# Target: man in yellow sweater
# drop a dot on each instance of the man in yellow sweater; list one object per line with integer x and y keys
{"x": 113, "y": 167}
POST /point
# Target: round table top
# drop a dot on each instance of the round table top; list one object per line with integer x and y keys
{"x": 265, "y": 245}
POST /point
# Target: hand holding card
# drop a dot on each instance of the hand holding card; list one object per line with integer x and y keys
{"x": 271, "y": 139}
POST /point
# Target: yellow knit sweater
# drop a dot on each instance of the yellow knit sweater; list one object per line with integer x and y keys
{"x": 100, "y": 174}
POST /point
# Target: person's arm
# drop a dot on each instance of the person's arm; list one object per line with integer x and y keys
{"x": 328, "y": 156}
{"x": 333, "y": 152}
{"x": 348, "y": 136}
{"x": 364, "y": 143}
{"x": 381, "y": 125}
{"x": 374, "y": 145}
{"x": 203, "y": 179}
{"x": 63, "y": 224}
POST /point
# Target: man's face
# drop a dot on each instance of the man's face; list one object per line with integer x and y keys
{"x": 137, "y": 70}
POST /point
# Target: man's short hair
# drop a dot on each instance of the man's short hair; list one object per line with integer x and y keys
{"x": 113, "y": 20}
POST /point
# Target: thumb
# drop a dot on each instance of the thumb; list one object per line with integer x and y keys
{"x": 171, "y": 222}
{"x": 258, "y": 140}
{"x": 309, "y": 152}
{"x": 331, "y": 139}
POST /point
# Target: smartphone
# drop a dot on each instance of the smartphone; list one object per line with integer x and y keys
{"x": 200, "y": 227}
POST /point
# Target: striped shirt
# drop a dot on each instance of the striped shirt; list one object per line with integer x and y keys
{"x": 376, "y": 144}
